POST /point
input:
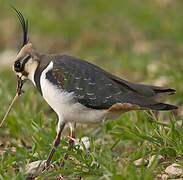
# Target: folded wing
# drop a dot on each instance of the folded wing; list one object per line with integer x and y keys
{"x": 97, "y": 89}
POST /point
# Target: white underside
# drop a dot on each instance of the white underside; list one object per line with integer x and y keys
{"x": 63, "y": 104}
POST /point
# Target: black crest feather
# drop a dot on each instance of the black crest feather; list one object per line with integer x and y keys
{"x": 24, "y": 24}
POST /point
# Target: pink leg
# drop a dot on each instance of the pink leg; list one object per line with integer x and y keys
{"x": 55, "y": 144}
{"x": 71, "y": 142}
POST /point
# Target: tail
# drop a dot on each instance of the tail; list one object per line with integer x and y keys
{"x": 145, "y": 96}
{"x": 149, "y": 97}
{"x": 163, "y": 91}
{"x": 161, "y": 107}
{"x": 159, "y": 93}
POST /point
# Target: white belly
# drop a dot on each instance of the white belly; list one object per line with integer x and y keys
{"x": 63, "y": 103}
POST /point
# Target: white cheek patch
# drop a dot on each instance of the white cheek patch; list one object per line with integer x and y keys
{"x": 30, "y": 68}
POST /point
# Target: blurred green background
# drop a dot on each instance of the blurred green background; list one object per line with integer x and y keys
{"x": 140, "y": 41}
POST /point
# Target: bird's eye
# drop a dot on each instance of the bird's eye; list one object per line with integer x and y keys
{"x": 20, "y": 63}
{"x": 17, "y": 66}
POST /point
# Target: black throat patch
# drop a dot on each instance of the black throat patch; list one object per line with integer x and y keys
{"x": 37, "y": 77}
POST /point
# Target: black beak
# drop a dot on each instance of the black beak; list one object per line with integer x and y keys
{"x": 20, "y": 83}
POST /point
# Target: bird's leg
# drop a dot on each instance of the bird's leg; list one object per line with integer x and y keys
{"x": 55, "y": 144}
{"x": 71, "y": 142}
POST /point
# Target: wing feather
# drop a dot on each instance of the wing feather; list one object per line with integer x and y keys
{"x": 95, "y": 88}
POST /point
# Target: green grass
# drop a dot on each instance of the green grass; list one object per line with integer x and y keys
{"x": 126, "y": 38}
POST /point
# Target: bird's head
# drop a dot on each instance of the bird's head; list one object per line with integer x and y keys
{"x": 26, "y": 60}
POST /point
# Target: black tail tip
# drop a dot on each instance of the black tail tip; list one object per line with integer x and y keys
{"x": 163, "y": 107}
{"x": 170, "y": 91}
{"x": 170, "y": 107}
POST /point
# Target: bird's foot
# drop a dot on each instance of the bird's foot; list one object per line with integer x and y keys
{"x": 70, "y": 144}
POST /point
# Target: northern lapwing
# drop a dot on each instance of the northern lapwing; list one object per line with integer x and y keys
{"x": 79, "y": 91}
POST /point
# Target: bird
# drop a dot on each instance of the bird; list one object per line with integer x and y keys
{"x": 79, "y": 91}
